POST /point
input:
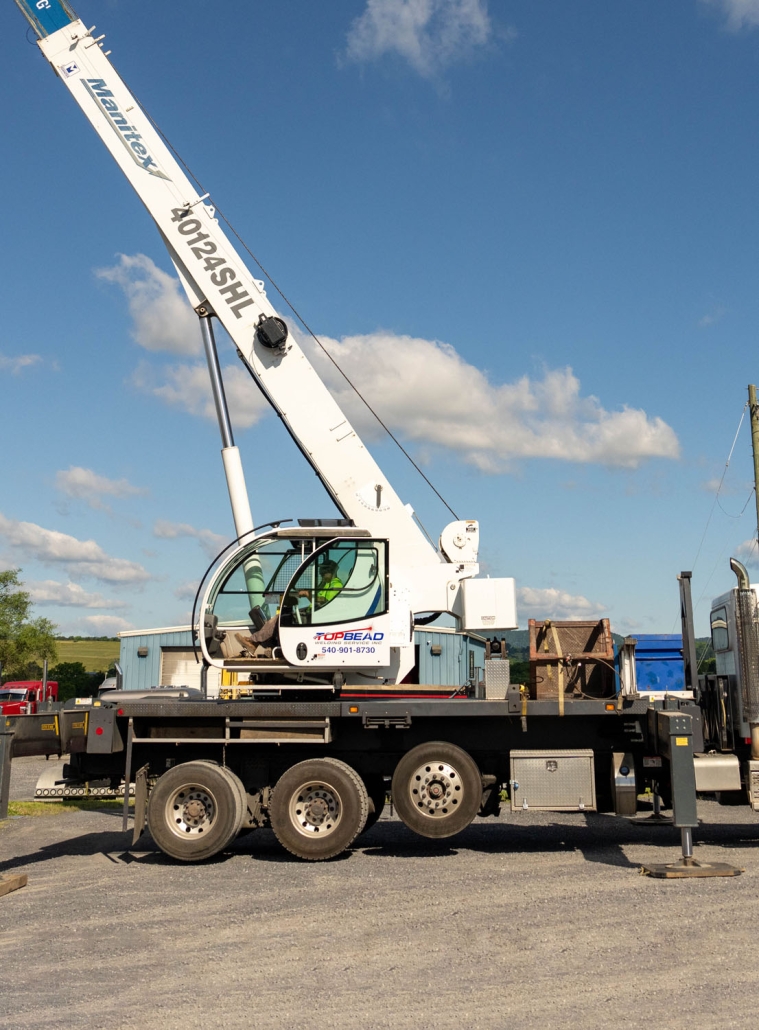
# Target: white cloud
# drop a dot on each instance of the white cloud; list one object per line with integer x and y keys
{"x": 550, "y": 603}
{"x": 211, "y": 542}
{"x": 186, "y": 591}
{"x": 86, "y": 485}
{"x": 83, "y": 558}
{"x": 105, "y": 625}
{"x": 712, "y": 317}
{"x": 727, "y": 487}
{"x": 187, "y": 387}
{"x": 424, "y": 390}
{"x": 429, "y": 394}
{"x": 748, "y": 553}
{"x": 68, "y": 595}
{"x": 17, "y": 364}
{"x": 430, "y": 34}
{"x": 163, "y": 319}
{"x": 740, "y": 13}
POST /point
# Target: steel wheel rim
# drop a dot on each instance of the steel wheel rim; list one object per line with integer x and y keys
{"x": 190, "y": 811}
{"x": 436, "y": 789}
{"x": 315, "y": 809}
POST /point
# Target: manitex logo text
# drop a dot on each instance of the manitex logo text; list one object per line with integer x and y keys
{"x": 127, "y": 133}
{"x": 349, "y": 634}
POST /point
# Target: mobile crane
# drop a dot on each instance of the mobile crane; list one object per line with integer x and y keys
{"x": 318, "y": 606}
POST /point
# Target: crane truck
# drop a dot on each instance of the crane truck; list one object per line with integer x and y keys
{"x": 315, "y": 621}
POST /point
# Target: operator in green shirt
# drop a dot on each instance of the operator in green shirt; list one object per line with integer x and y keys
{"x": 329, "y": 584}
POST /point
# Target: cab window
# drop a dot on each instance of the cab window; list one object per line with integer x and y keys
{"x": 720, "y": 636}
{"x": 343, "y": 582}
{"x": 259, "y": 579}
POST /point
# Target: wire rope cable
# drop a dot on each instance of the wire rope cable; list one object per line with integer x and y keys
{"x": 294, "y": 310}
{"x": 716, "y": 503}
{"x": 719, "y": 488}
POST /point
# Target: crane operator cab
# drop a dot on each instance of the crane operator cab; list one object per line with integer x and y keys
{"x": 313, "y": 599}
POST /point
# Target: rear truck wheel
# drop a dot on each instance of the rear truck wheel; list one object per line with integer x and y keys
{"x": 236, "y": 782}
{"x": 318, "y": 808}
{"x": 194, "y": 811}
{"x": 377, "y": 791}
{"x": 437, "y": 789}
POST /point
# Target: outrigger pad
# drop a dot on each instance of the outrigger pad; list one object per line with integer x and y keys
{"x": 12, "y": 883}
{"x": 650, "y": 820}
{"x": 687, "y": 867}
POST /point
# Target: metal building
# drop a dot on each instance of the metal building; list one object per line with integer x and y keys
{"x": 165, "y": 657}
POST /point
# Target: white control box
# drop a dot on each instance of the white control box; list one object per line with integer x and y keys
{"x": 488, "y": 604}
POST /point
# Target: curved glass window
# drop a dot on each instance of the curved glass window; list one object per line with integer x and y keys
{"x": 343, "y": 582}
{"x": 258, "y": 580}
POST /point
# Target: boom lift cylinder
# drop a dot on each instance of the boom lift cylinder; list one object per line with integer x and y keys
{"x": 230, "y": 455}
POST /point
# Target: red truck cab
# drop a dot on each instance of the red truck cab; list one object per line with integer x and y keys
{"x": 21, "y": 697}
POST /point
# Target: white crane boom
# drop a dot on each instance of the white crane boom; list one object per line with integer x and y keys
{"x": 218, "y": 284}
{"x": 212, "y": 273}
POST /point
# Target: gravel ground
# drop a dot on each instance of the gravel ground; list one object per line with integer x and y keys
{"x": 24, "y": 775}
{"x": 516, "y": 923}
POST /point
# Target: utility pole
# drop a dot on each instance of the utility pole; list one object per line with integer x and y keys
{"x": 754, "y": 412}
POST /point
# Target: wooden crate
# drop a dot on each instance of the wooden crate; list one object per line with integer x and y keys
{"x": 576, "y": 657}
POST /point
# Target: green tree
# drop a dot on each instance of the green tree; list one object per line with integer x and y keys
{"x": 23, "y": 640}
{"x": 74, "y": 681}
{"x": 707, "y": 663}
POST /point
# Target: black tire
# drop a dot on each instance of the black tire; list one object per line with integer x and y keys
{"x": 241, "y": 793}
{"x": 318, "y": 808}
{"x": 437, "y": 789}
{"x": 377, "y": 791}
{"x": 194, "y": 811}
{"x": 236, "y": 782}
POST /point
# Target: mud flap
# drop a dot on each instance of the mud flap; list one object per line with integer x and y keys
{"x": 140, "y": 802}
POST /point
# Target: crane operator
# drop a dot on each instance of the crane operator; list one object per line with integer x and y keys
{"x": 328, "y": 588}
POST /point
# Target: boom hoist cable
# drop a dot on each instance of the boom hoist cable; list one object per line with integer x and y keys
{"x": 295, "y": 311}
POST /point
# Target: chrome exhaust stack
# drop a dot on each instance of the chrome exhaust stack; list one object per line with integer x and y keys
{"x": 747, "y": 620}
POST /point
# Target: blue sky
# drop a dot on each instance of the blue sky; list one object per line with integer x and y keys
{"x": 527, "y": 229}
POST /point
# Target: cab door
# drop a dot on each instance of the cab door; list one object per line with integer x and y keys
{"x": 335, "y": 611}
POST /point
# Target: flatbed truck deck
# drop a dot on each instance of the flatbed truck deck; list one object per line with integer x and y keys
{"x": 319, "y": 772}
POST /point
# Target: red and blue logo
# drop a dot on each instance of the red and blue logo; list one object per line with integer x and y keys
{"x": 352, "y": 635}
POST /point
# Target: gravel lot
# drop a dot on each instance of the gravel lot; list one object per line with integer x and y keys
{"x": 517, "y": 923}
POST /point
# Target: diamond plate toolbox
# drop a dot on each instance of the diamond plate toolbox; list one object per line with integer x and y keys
{"x": 553, "y": 781}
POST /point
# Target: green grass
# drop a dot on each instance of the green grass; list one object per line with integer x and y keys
{"x": 95, "y": 655}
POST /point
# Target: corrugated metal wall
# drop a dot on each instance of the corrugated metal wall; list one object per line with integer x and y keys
{"x": 142, "y": 673}
{"x": 450, "y": 667}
